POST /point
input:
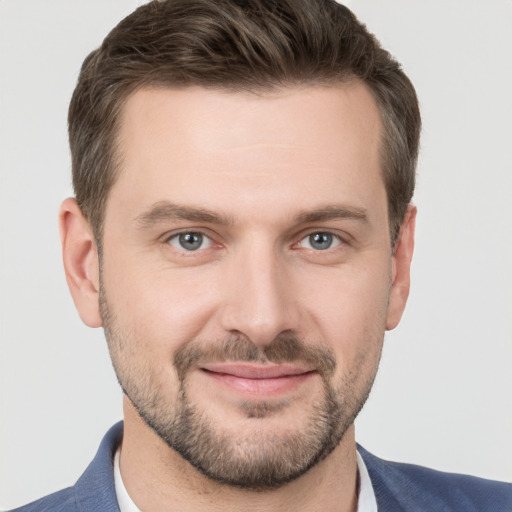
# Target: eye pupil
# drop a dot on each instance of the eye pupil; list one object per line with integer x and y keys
{"x": 191, "y": 241}
{"x": 320, "y": 241}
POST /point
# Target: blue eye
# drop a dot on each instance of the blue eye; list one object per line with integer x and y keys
{"x": 190, "y": 241}
{"x": 320, "y": 241}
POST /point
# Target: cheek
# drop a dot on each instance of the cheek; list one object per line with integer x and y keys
{"x": 349, "y": 311}
{"x": 160, "y": 308}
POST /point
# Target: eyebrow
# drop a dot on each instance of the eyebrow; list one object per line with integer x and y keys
{"x": 165, "y": 211}
{"x": 332, "y": 212}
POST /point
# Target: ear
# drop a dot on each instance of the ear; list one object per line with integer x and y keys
{"x": 80, "y": 255}
{"x": 401, "y": 275}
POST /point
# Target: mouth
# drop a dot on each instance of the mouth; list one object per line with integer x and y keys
{"x": 258, "y": 381}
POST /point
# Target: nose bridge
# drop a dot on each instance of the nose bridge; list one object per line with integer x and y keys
{"x": 258, "y": 304}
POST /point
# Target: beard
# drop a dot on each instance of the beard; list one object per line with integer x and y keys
{"x": 257, "y": 458}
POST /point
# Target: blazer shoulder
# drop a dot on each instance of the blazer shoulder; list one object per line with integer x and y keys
{"x": 411, "y": 487}
{"x": 60, "y": 501}
{"x": 94, "y": 490}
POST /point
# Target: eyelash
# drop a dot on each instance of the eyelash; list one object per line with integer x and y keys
{"x": 176, "y": 236}
{"x": 337, "y": 240}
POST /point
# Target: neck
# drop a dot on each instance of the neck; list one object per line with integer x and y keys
{"x": 157, "y": 478}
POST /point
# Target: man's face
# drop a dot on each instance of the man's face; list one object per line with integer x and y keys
{"x": 246, "y": 271}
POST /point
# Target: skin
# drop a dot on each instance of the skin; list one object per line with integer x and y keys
{"x": 263, "y": 163}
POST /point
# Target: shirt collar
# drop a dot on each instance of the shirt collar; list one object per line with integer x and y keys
{"x": 366, "y": 501}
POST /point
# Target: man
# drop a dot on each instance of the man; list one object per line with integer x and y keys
{"x": 243, "y": 232}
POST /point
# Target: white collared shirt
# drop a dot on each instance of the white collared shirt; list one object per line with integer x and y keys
{"x": 366, "y": 501}
{"x": 123, "y": 498}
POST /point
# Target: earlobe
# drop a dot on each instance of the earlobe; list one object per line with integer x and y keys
{"x": 401, "y": 271}
{"x": 81, "y": 265}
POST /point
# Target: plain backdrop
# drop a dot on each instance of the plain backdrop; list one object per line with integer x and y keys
{"x": 443, "y": 395}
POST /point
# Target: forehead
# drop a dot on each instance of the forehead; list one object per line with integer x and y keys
{"x": 215, "y": 117}
{"x": 208, "y": 145}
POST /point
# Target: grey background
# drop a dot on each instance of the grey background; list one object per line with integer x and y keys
{"x": 443, "y": 396}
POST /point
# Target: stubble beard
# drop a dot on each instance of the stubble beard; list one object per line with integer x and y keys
{"x": 259, "y": 459}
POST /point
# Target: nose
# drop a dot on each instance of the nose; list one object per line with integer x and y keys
{"x": 259, "y": 301}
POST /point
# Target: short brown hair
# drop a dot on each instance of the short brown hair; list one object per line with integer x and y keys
{"x": 237, "y": 45}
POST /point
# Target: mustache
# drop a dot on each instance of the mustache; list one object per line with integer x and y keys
{"x": 284, "y": 348}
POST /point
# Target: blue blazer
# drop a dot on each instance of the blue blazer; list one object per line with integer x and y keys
{"x": 398, "y": 487}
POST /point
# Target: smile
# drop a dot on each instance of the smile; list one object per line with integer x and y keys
{"x": 258, "y": 381}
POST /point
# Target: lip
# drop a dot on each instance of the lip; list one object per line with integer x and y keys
{"x": 257, "y": 381}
